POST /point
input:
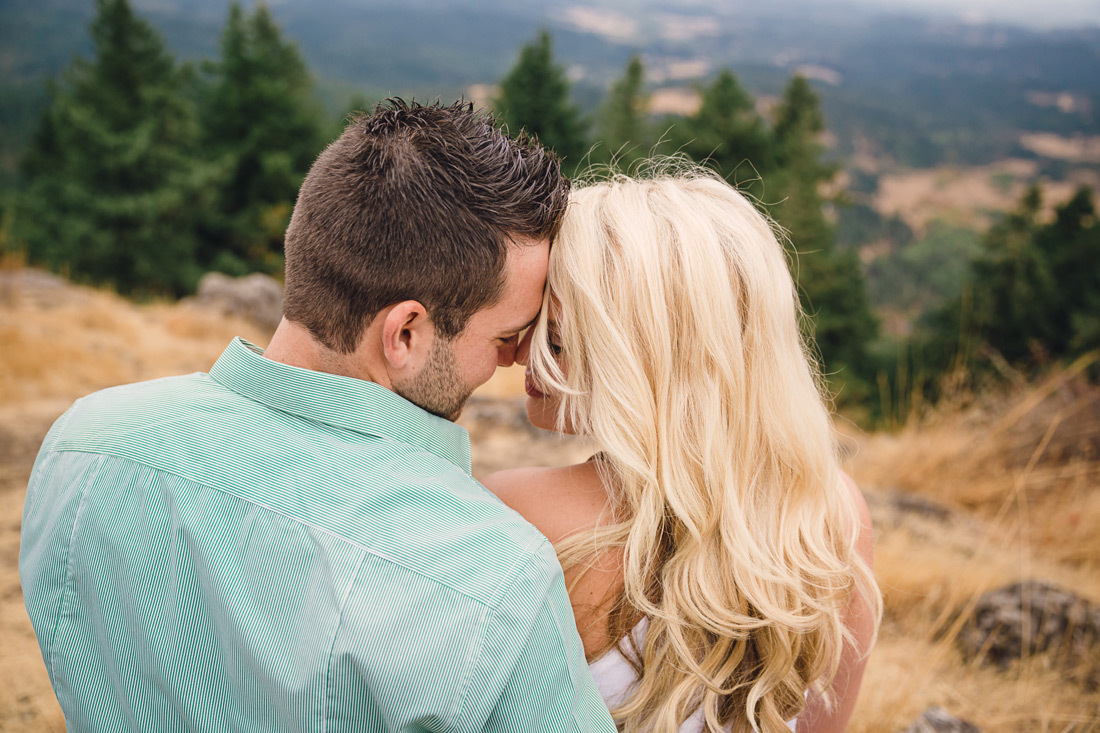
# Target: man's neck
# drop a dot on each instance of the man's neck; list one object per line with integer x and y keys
{"x": 294, "y": 345}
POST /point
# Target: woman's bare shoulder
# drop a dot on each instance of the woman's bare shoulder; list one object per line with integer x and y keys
{"x": 559, "y": 501}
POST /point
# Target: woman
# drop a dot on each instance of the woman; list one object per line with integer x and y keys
{"x": 717, "y": 558}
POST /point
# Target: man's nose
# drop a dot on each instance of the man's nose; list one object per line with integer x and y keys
{"x": 523, "y": 348}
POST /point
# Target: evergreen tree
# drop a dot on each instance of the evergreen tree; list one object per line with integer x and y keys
{"x": 262, "y": 129}
{"x": 1012, "y": 285}
{"x": 111, "y": 183}
{"x": 1033, "y": 293}
{"x": 623, "y": 128}
{"x": 830, "y": 282}
{"x": 798, "y": 124}
{"x": 1071, "y": 245}
{"x": 534, "y": 96}
{"x": 728, "y": 133}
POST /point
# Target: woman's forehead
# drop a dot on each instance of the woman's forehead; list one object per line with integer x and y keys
{"x": 553, "y": 309}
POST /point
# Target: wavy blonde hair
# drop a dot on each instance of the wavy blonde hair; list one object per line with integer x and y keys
{"x": 679, "y": 322}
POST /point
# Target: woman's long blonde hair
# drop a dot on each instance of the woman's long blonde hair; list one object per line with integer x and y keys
{"x": 679, "y": 324}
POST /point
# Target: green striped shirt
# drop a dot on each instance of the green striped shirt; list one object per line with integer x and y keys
{"x": 270, "y": 548}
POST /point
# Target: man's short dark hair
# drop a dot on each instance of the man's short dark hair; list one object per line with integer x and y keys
{"x": 414, "y": 202}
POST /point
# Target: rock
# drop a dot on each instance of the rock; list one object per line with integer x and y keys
{"x": 938, "y": 720}
{"x": 485, "y": 414}
{"x": 1034, "y": 617}
{"x": 914, "y": 504}
{"x": 29, "y": 286}
{"x": 921, "y": 517}
{"x": 503, "y": 437}
{"x": 256, "y": 297}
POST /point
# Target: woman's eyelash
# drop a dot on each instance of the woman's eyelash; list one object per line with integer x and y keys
{"x": 555, "y": 349}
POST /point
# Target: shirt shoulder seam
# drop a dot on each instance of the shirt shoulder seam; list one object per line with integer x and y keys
{"x": 523, "y": 559}
{"x": 56, "y": 429}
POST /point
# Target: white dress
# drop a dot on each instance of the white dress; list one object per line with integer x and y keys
{"x": 615, "y": 679}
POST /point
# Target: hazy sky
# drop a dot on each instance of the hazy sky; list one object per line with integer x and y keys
{"x": 1042, "y": 13}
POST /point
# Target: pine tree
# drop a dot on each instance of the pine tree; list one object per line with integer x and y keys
{"x": 798, "y": 123}
{"x": 1071, "y": 245}
{"x": 534, "y": 96}
{"x": 262, "y": 129}
{"x": 625, "y": 135}
{"x": 1034, "y": 290}
{"x": 112, "y": 185}
{"x": 1011, "y": 282}
{"x": 728, "y": 133}
{"x": 830, "y": 282}
{"x": 1006, "y": 280}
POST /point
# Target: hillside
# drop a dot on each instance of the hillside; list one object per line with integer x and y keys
{"x": 993, "y": 489}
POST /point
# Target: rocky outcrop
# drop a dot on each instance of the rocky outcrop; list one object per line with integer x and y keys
{"x": 1035, "y": 617}
{"x": 504, "y": 438}
{"x": 938, "y": 720}
{"x": 28, "y": 286}
{"x": 486, "y": 414}
{"x": 899, "y": 506}
{"x": 256, "y": 297}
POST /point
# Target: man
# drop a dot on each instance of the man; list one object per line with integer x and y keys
{"x": 294, "y": 541}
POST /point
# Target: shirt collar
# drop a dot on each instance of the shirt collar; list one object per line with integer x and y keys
{"x": 344, "y": 402}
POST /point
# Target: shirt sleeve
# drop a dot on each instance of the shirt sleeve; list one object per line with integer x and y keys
{"x": 48, "y": 515}
{"x": 531, "y": 674}
{"x": 35, "y": 483}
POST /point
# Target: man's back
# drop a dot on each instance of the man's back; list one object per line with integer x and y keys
{"x": 272, "y": 548}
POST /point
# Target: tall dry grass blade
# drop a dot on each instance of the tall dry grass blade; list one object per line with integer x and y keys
{"x": 963, "y": 616}
{"x": 1046, "y": 388}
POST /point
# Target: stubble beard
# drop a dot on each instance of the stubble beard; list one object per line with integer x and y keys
{"x": 438, "y": 389}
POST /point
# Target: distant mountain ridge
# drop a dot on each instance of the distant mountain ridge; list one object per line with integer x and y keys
{"x": 918, "y": 91}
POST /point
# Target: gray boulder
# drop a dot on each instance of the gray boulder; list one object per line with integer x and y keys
{"x": 256, "y": 297}
{"x": 1035, "y": 617}
{"x": 485, "y": 414}
{"x": 938, "y": 720}
{"x": 29, "y": 286}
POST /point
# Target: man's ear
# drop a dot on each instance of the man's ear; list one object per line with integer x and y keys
{"x": 407, "y": 337}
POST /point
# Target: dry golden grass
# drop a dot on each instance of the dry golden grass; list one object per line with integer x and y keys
{"x": 1019, "y": 476}
{"x": 968, "y": 196}
{"x": 1077, "y": 149}
{"x": 67, "y": 342}
{"x": 1028, "y": 462}
{"x": 1017, "y": 473}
